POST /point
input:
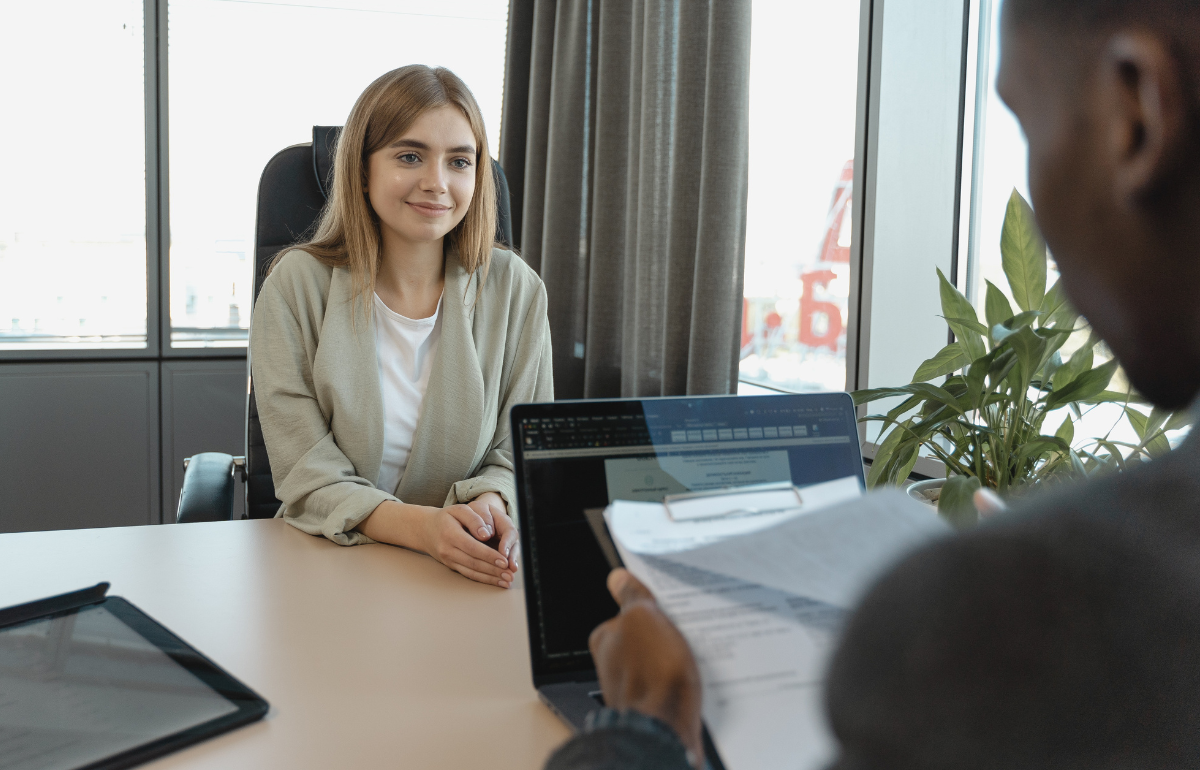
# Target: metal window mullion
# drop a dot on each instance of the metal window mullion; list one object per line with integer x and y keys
{"x": 155, "y": 173}
{"x": 983, "y": 35}
{"x": 159, "y": 202}
{"x": 858, "y": 332}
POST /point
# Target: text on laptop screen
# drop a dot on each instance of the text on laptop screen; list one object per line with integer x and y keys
{"x": 576, "y": 456}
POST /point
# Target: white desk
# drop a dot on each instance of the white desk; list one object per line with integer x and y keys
{"x": 370, "y": 656}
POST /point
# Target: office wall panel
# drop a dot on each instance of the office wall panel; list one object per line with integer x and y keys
{"x": 78, "y": 445}
{"x": 203, "y": 410}
{"x": 912, "y": 186}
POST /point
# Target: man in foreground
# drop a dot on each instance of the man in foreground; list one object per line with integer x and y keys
{"x": 1065, "y": 634}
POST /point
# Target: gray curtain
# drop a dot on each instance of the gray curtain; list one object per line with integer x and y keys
{"x": 628, "y": 122}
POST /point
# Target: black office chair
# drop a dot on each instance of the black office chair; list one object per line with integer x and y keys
{"x": 291, "y": 194}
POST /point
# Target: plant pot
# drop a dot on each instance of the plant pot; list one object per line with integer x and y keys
{"x": 926, "y": 491}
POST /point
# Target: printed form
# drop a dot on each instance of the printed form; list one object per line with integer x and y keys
{"x": 761, "y": 600}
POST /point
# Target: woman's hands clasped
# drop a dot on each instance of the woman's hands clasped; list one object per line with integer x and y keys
{"x": 476, "y": 539}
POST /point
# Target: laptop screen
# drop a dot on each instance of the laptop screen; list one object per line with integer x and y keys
{"x": 575, "y": 455}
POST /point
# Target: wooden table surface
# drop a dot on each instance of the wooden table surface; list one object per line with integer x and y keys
{"x": 371, "y": 656}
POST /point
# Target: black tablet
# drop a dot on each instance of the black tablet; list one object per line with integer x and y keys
{"x": 88, "y": 681}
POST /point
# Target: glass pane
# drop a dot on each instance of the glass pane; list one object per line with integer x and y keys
{"x": 801, "y": 170}
{"x": 1001, "y": 168}
{"x": 248, "y": 80}
{"x": 73, "y": 198}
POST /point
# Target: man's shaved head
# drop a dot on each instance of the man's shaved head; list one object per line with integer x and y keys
{"x": 1108, "y": 94}
{"x": 1092, "y": 13}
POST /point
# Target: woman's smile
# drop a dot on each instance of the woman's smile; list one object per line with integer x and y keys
{"x": 431, "y": 210}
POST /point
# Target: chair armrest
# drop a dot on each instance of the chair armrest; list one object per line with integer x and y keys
{"x": 207, "y": 493}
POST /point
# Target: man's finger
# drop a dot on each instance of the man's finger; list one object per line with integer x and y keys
{"x": 626, "y": 589}
{"x": 597, "y": 636}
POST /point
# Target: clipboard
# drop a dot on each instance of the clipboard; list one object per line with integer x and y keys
{"x": 753, "y": 500}
{"x": 595, "y": 520}
{"x": 703, "y": 506}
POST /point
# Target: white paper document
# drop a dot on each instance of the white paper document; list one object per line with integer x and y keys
{"x": 761, "y": 600}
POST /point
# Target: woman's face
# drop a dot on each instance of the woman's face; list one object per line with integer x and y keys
{"x": 421, "y": 185}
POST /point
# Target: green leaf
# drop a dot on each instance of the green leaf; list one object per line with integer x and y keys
{"x": 956, "y": 502}
{"x": 1029, "y": 349}
{"x": 1035, "y": 449}
{"x": 1053, "y": 364}
{"x": 1158, "y": 445}
{"x": 1138, "y": 421}
{"x": 976, "y": 375}
{"x": 867, "y": 396}
{"x": 1003, "y": 331}
{"x": 997, "y": 309}
{"x": 961, "y": 318}
{"x": 1079, "y": 362}
{"x": 1178, "y": 420}
{"x": 1077, "y": 464}
{"x": 1023, "y": 253}
{"x": 1156, "y": 420}
{"x": 954, "y": 304}
{"x": 904, "y": 407}
{"x": 950, "y": 359}
{"x": 967, "y": 323}
{"x": 1002, "y": 366}
{"x": 941, "y": 395}
{"x": 1115, "y": 397}
{"x": 1115, "y": 456}
{"x": 1066, "y": 431}
{"x": 1084, "y": 386}
{"x": 906, "y": 460}
{"x": 1149, "y": 430}
{"x": 1057, "y": 311}
{"x": 883, "y": 455}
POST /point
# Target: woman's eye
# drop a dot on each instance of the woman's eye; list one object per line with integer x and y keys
{"x": 460, "y": 163}
{"x": 409, "y": 157}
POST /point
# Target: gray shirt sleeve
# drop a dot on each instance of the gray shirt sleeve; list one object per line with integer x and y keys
{"x": 624, "y": 740}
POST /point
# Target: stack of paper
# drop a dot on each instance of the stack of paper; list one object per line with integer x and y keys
{"x": 761, "y": 600}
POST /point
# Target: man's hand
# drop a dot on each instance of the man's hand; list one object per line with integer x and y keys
{"x": 644, "y": 663}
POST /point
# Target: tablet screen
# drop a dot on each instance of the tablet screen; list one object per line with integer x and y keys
{"x": 83, "y": 686}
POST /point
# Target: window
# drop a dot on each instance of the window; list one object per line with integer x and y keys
{"x": 248, "y": 79}
{"x": 999, "y": 163}
{"x": 73, "y": 203}
{"x": 803, "y": 100}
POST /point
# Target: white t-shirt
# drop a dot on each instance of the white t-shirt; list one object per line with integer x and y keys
{"x": 404, "y": 351}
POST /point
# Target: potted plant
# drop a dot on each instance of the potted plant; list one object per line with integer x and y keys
{"x": 1001, "y": 380}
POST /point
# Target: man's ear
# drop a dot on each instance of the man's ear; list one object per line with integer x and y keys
{"x": 1147, "y": 107}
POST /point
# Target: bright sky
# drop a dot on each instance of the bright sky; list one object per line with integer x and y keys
{"x": 803, "y": 93}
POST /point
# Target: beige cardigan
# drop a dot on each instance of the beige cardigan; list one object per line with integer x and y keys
{"x": 316, "y": 383}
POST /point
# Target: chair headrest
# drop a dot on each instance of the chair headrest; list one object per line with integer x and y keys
{"x": 323, "y": 145}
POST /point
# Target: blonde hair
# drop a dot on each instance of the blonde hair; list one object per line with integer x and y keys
{"x": 347, "y": 233}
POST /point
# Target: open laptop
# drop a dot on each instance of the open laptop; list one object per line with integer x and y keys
{"x": 574, "y": 455}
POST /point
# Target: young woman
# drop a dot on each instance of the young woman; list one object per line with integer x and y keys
{"x": 388, "y": 350}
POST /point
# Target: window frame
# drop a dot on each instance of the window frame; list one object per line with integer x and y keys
{"x": 872, "y": 253}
